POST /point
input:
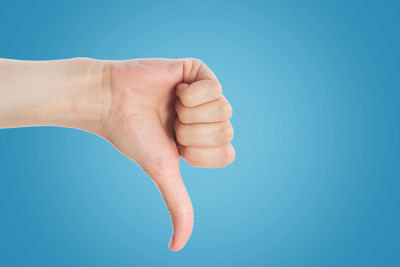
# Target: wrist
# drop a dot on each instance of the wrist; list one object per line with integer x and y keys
{"x": 67, "y": 93}
{"x": 88, "y": 99}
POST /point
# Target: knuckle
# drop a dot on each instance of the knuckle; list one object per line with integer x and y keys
{"x": 217, "y": 87}
{"x": 226, "y": 132}
{"x": 228, "y": 155}
{"x": 213, "y": 87}
{"x": 225, "y": 110}
{"x": 197, "y": 60}
{"x": 193, "y": 64}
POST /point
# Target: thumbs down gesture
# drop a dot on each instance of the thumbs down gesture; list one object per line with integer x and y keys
{"x": 163, "y": 109}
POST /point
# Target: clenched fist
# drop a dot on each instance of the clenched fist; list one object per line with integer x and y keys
{"x": 162, "y": 109}
{"x": 152, "y": 110}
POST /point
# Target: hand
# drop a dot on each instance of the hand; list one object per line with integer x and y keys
{"x": 152, "y": 110}
{"x": 142, "y": 123}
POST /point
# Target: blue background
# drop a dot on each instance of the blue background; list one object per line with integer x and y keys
{"x": 315, "y": 91}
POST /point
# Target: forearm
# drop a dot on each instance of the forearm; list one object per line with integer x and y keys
{"x": 67, "y": 93}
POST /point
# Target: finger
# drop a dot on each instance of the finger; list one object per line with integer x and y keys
{"x": 178, "y": 203}
{"x": 196, "y": 70}
{"x": 203, "y": 134}
{"x": 212, "y": 157}
{"x": 216, "y": 111}
{"x": 199, "y": 92}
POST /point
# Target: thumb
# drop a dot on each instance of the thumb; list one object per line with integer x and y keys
{"x": 178, "y": 202}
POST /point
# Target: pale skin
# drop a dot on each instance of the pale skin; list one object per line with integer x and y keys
{"x": 152, "y": 110}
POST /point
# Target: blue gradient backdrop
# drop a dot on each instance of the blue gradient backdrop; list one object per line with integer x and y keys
{"x": 315, "y": 89}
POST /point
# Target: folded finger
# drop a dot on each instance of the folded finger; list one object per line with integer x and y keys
{"x": 199, "y": 92}
{"x": 204, "y": 134}
{"x": 216, "y": 111}
{"x": 208, "y": 157}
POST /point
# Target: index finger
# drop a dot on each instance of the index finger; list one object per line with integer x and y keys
{"x": 198, "y": 93}
{"x": 199, "y": 84}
